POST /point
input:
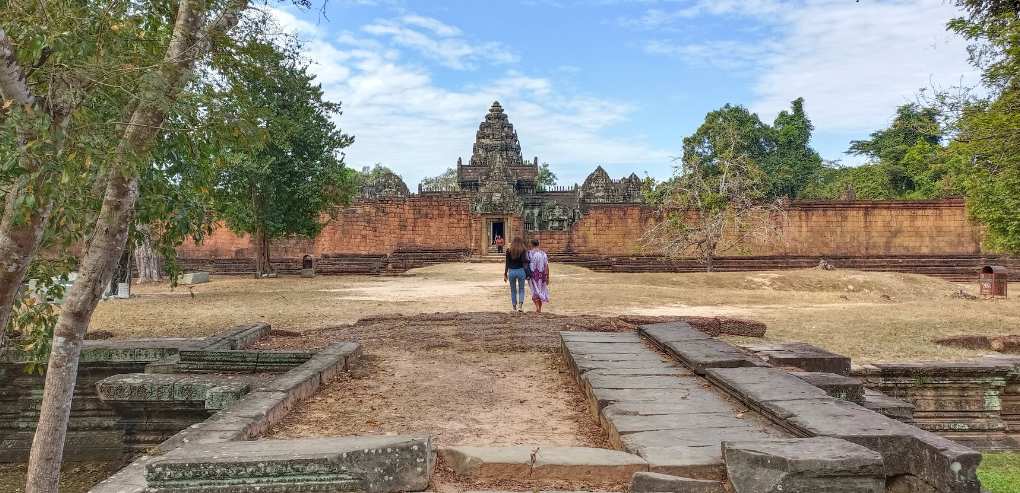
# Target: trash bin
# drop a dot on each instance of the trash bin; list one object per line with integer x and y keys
{"x": 994, "y": 281}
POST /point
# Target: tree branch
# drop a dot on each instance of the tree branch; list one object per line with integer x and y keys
{"x": 12, "y": 80}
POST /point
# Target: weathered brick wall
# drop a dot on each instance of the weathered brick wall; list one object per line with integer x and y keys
{"x": 368, "y": 227}
{"x": 808, "y": 229}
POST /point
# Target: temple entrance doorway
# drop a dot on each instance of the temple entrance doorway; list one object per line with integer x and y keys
{"x": 496, "y": 229}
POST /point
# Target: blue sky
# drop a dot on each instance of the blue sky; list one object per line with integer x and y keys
{"x": 616, "y": 83}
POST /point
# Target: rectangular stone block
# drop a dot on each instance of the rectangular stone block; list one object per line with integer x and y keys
{"x": 193, "y": 278}
{"x": 370, "y": 464}
{"x": 803, "y": 465}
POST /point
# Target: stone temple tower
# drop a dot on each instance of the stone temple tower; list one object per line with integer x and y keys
{"x": 496, "y": 146}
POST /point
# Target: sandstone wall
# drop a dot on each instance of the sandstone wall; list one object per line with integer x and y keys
{"x": 370, "y": 227}
{"x": 866, "y": 229}
{"x": 807, "y": 229}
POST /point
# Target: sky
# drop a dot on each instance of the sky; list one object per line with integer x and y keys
{"x": 616, "y": 83}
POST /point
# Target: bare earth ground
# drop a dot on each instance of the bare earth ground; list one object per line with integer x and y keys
{"x": 869, "y": 316}
{"x": 464, "y": 378}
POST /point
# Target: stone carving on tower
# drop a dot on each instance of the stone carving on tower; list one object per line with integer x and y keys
{"x": 496, "y": 142}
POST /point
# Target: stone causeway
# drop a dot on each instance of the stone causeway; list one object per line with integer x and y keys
{"x": 700, "y": 408}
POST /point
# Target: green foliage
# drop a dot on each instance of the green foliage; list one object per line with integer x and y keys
{"x": 986, "y": 150}
{"x": 989, "y": 168}
{"x": 34, "y": 314}
{"x": 782, "y": 150}
{"x": 1000, "y": 472}
{"x": 546, "y": 178}
{"x": 281, "y": 169}
{"x": 447, "y": 180}
{"x": 792, "y": 164}
{"x": 720, "y": 195}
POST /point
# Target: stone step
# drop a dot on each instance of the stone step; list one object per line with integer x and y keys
{"x": 370, "y": 464}
{"x": 541, "y": 463}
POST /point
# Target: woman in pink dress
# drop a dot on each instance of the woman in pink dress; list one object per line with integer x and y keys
{"x": 539, "y": 280}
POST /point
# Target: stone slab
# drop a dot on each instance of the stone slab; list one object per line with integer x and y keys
{"x": 649, "y": 482}
{"x": 695, "y": 437}
{"x": 906, "y": 449}
{"x": 672, "y": 332}
{"x": 892, "y": 407}
{"x": 578, "y": 336}
{"x": 597, "y": 381}
{"x": 371, "y": 464}
{"x": 702, "y": 354}
{"x": 624, "y": 424}
{"x": 804, "y": 356}
{"x": 649, "y": 372}
{"x": 489, "y": 462}
{"x": 584, "y": 348}
{"x": 691, "y": 462}
{"x": 803, "y": 465}
{"x": 585, "y": 464}
{"x": 193, "y": 278}
{"x": 762, "y": 384}
{"x": 586, "y": 365}
{"x": 838, "y": 386}
{"x": 605, "y": 397}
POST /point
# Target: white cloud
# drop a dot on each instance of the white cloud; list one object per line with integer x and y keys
{"x": 439, "y": 41}
{"x": 855, "y": 62}
{"x": 402, "y": 118}
{"x": 852, "y": 62}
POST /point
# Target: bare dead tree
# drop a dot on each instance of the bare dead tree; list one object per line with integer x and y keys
{"x": 715, "y": 206}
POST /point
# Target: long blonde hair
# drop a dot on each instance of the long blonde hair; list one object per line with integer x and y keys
{"x": 517, "y": 247}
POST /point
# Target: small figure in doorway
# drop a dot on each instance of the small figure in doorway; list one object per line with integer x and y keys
{"x": 499, "y": 241}
{"x": 538, "y": 262}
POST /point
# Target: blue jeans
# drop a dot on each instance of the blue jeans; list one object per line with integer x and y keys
{"x": 516, "y": 277}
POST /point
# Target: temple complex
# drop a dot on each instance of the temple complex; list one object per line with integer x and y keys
{"x": 502, "y": 185}
{"x": 598, "y": 224}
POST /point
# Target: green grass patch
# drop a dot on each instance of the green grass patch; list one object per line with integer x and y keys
{"x": 1000, "y": 472}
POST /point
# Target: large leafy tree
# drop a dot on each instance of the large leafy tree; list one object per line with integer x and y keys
{"x": 792, "y": 164}
{"x": 289, "y": 170}
{"x": 87, "y": 88}
{"x": 987, "y": 141}
{"x": 719, "y": 197}
{"x": 782, "y": 150}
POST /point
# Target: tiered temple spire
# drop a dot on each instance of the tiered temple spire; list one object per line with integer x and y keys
{"x": 496, "y": 137}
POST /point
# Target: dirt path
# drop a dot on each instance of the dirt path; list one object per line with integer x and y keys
{"x": 473, "y": 398}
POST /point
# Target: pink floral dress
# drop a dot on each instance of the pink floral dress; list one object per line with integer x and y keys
{"x": 539, "y": 281}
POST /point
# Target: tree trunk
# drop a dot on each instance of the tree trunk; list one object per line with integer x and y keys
{"x": 19, "y": 242}
{"x": 110, "y": 237}
{"x": 263, "y": 267}
{"x": 146, "y": 257}
{"x": 95, "y": 272}
{"x": 21, "y": 231}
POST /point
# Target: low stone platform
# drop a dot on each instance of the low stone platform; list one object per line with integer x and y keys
{"x": 968, "y": 401}
{"x": 267, "y": 403}
{"x": 99, "y": 430}
{"x": 368, "y": 464}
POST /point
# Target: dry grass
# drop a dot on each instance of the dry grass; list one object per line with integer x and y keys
{"x": 868, "y": 316}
